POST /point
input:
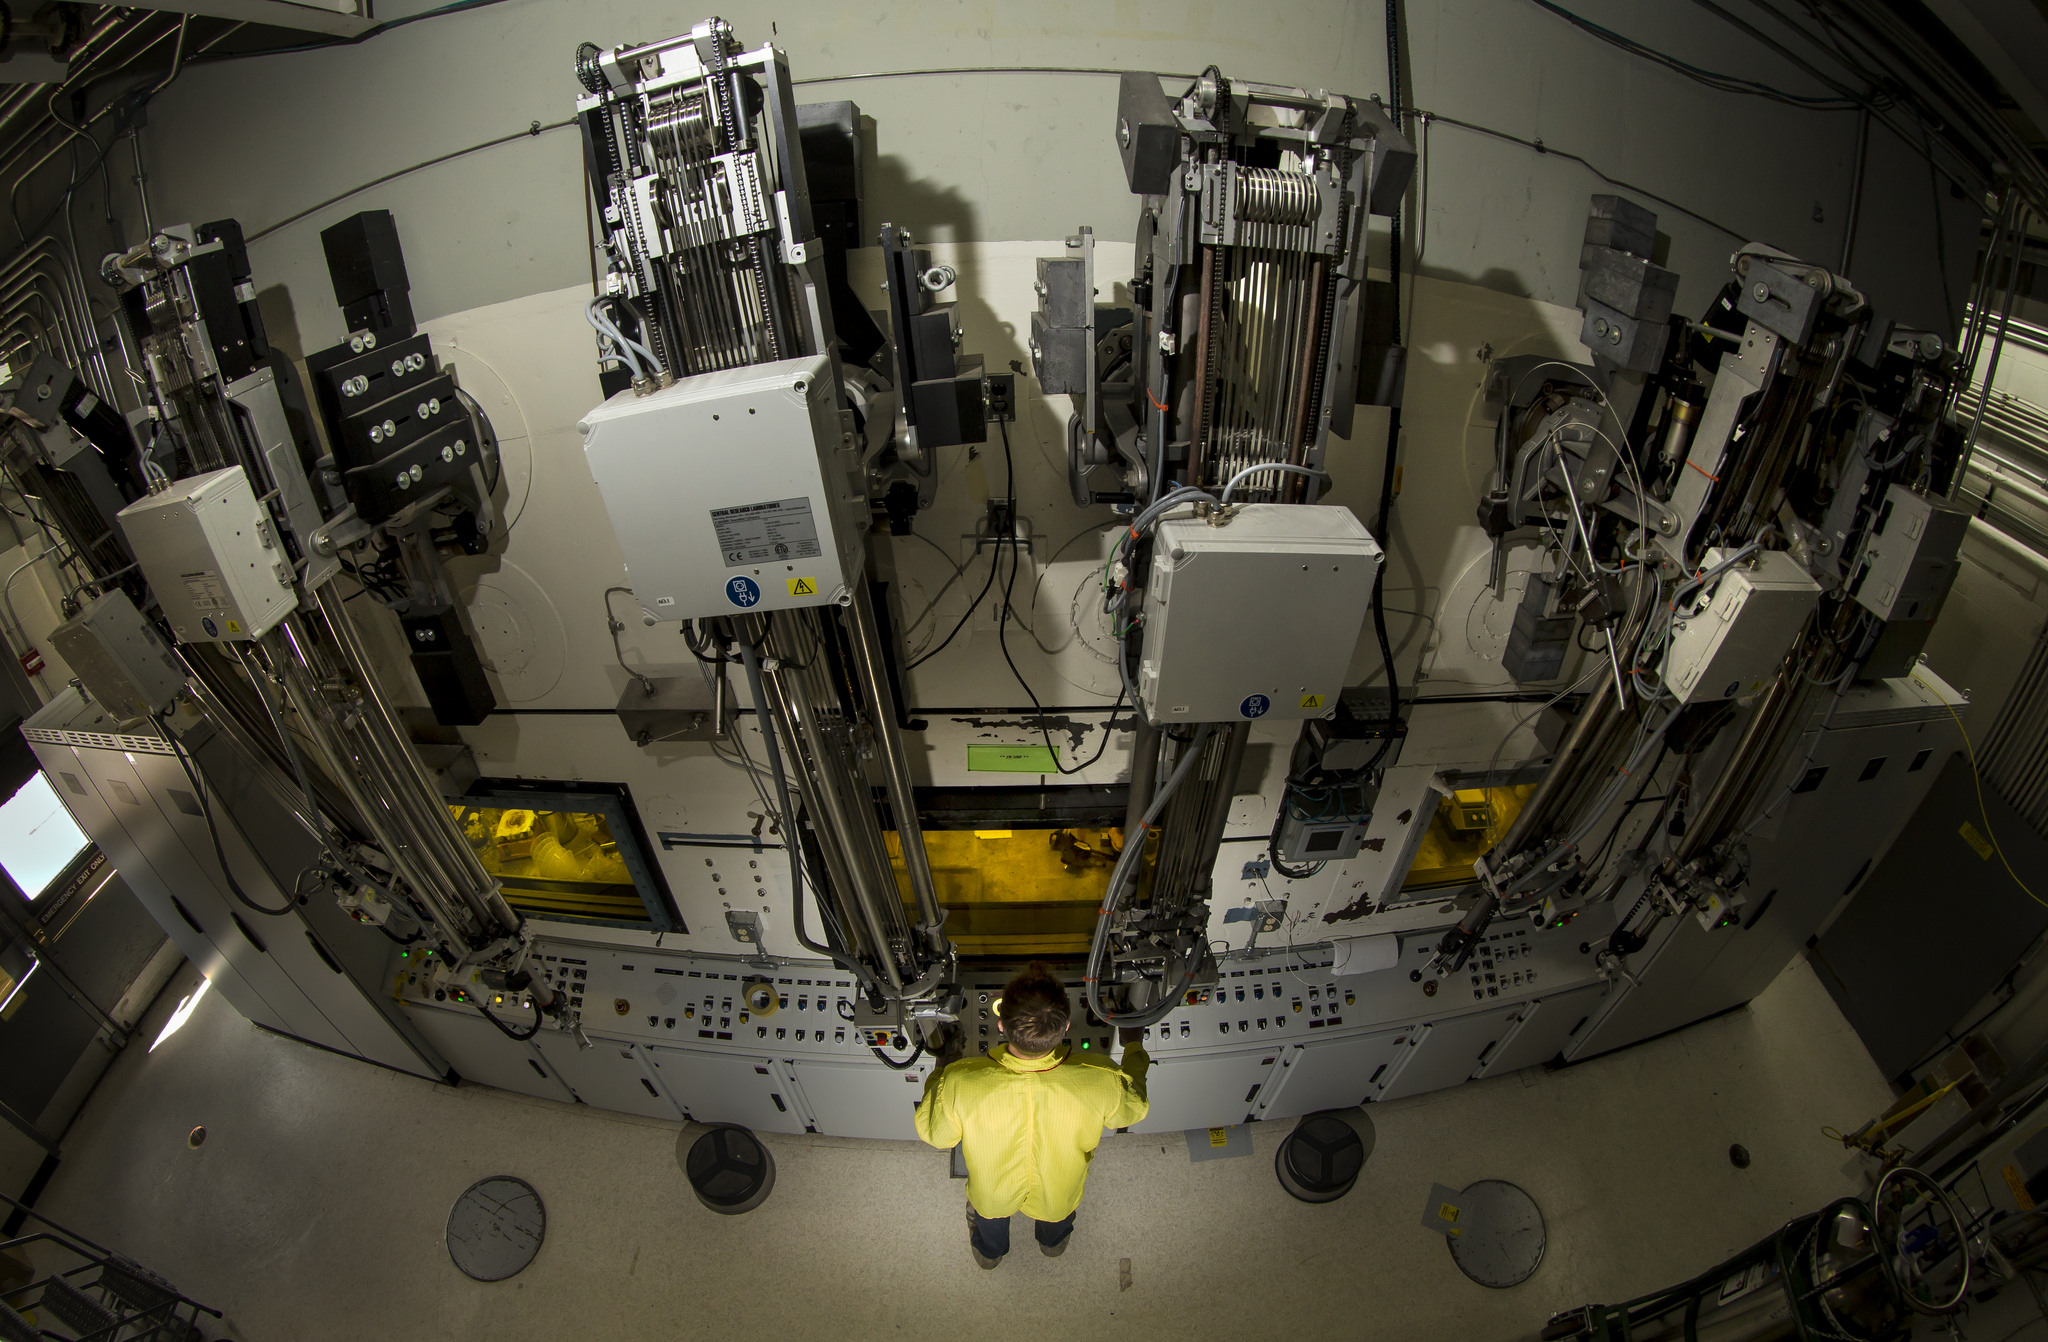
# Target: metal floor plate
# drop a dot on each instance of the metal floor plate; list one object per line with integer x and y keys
{"x": 496, "y": 1228}
{"x": 1501, "y": 1237}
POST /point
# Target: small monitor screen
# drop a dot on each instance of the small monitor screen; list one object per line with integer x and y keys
{"x": 38, "y": 838}
{"x": 1325, "y": 840}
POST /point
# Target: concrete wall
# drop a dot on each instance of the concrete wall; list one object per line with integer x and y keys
{"x": 985, "y": 156}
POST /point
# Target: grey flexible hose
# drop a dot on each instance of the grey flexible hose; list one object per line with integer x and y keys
{"x": 1119, "y": 877}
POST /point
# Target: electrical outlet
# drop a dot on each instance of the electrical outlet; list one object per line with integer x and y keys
{"x": 1002, "y": 396}
{"x": 745, "y": 926}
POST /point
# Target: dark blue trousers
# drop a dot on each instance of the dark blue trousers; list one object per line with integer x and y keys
{"x": 992, "y": 1237}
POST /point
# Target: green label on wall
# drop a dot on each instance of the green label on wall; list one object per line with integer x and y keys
{"x": 1011, "y": 760}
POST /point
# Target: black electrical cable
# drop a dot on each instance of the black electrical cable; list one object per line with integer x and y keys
{"x": 1841, "y": 102}
{"x": 894, "y": 1065}
{"x": 1550, "y": 151}
{"x": 213, "y": 830}
{"x": 1649, "y": 774}
{"x": 1387, "y": 473}
{"x": 696, "y": 640}
{"x": 1393, "y": 13}
{"x": 1948, "y": 299}
{"x": 419, "y": 935}
{"x": 507, "y": 1030}
{"x": 978, "y": 598}
{"x": 1002, "y": 639}
{"x": 532, "y": 131}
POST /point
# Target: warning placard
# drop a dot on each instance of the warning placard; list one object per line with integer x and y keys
{"x": 766, "y": 533}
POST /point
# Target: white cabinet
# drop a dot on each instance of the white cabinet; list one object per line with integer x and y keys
{"x": 191, "y": 888}
{"x": 1210, "y": 1091}
{"x": 1445, "y": 1052}
{"x": 1543, "y": 1029}
{"x": 293, "y": 950}
{"x": 610, "y": 1074}
{"x": 859, "y": 1099}
{"x": 1331, "y": 1074}
{"x": 480, "y": 1052}
{"x": 727, "y": 1088}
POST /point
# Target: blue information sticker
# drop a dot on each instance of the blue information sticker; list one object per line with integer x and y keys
{"x": 743, "y": 592}
{"x": 207, "y": 625}
{"x": 1254, "y": 706}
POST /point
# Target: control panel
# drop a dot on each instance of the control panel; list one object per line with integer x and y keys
{"x": 730, "y": 1006}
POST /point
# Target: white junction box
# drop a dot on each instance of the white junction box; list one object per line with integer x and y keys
{"x": 212, "y": 561}
{"x": 120, "y": 657}
{"x": 1255, "y": 618}
{"x": 732, "y": 491}
{"x": 1732, "y": 645}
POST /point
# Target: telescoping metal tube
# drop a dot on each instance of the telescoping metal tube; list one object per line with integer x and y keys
{"x": 409, "y": 772}
{"x": 1593, "y": 721}
{"x": 1145, "y": 740}
{"x": 1218, "y": 814}
{"x": 353, "y": 755}
{"x": 867, "y": 646}
{"x": 397, "y": 846}
{"x": 839, "y": 823}
{"x": 778, "y": 720}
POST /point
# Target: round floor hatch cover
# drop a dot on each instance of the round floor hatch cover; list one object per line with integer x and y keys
{"x": 496, "y": 1227}
{"x": 1501, "y": 1240}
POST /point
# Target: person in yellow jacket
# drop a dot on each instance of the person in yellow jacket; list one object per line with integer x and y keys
{"x": 1029, "y": 1115}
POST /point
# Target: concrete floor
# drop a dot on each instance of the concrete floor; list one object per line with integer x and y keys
{"x": 316, "y": 1205}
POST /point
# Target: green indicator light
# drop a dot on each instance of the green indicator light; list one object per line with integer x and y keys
{"x": 1084, "y": 1044}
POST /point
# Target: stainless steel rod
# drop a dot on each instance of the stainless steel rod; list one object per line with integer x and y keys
{"x": 839, "y": 824}
{"x": 350, "y": 646}
{"x": 868, "y": 655}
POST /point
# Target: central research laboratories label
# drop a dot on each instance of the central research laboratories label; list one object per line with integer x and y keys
{"x": 766, "y": 533}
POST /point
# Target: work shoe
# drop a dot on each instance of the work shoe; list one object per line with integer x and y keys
{"x": 1055, "y": 1250}
{"x": 981, "y": 1260}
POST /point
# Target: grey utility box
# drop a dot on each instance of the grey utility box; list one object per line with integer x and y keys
{"x": 732, "y": 491}
{"x": 1257, "y": 617}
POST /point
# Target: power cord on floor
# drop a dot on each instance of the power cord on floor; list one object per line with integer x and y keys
{"x": 1977, "y": 779}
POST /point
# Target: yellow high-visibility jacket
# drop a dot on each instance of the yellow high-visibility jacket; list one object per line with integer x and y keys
{"x": 1029, "y": 1129}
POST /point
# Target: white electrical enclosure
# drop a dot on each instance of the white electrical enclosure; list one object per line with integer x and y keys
{"x": 732, "y": 491}
{"x": 1254, "y": 618}
{"x": 212, "y": 561}
{"x": 1733, "y": 643}
{"x": 120, "y": 657}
